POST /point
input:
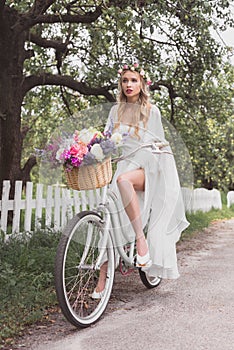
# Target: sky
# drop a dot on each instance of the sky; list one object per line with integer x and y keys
{"x": 227, "y": 38}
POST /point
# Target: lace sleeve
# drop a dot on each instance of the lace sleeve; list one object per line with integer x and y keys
{"x": 155, "y": 129}
{"x": 111, "y": 120}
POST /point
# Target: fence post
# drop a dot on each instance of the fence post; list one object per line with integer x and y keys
{"x": 39, "y": 205}
{"x": 29, "y": 204}
{"x": 5, "y": 205}
{"x": 230, "y": 198}
{"x": 57, "y": 204}
{"x": 17, "y": 207}
{"x": 49, "y": 205}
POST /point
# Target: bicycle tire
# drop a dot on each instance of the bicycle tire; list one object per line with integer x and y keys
{"x": 148, "y": 281}
{"x": 75, "y": 279}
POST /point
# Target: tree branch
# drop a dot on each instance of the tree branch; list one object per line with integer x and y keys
{"x": 27, "y": 21}
{"x": 25, "y": 172}
{"x": 65, "y": 80}
{"x": 55, "y": 44}
{"x": 89, "y": 17}
{"x": 168, "y": 85}
{"x": 2, "y": 4}
{"x": 142, "y": 36}
{"x": 39, "y": 7}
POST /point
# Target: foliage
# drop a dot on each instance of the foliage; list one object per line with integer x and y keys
{"x": 206, "y": 127}
{"x": 69, "y": 54}
{"x": 26, "y": 280}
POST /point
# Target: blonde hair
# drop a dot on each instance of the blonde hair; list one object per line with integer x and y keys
{"x": 141, "y": 110}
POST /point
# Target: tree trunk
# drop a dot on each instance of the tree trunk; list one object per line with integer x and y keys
{"x": 12, "y": 55}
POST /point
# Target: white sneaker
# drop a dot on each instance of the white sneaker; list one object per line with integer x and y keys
{"x": 97, "y": 295}
{"x": 143, "y": 261}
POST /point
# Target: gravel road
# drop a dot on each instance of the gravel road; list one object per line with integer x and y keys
{"x": 195, "y": 312}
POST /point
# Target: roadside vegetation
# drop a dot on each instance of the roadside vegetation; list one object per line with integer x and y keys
{"x": 27, "y": 274}
{"x": 26, "y": 281}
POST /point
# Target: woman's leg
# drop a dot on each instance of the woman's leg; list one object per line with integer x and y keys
{"x": 128, "y": 184}
{"x": 102, "y": 278}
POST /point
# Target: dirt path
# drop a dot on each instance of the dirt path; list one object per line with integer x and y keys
{"x": 194, "y": 312}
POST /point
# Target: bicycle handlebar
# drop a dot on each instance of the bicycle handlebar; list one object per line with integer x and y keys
{"x": 155, "y": 147}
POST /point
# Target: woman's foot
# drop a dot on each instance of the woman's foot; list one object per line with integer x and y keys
{"x": 143, "y": 257}
{"x": 98, "y": 291}
{"x": 142, "y": 246}
{"x": 143, "y": 261}
{"x": 97, "y": 295}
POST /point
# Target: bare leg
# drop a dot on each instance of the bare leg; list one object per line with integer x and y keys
{"x": 128, "y": 184}
{"x": 102, "y": 278}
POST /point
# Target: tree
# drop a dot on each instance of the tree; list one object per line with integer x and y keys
{"x": 78, "y": 46}
{"x": 209, "y": 132}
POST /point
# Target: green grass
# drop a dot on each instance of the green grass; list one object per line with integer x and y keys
{"x": 26, "y": 281}
{"x": 27, "y": 274}
{"x": 200, "y": 220}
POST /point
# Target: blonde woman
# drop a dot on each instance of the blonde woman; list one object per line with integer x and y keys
{"x": 147, "y": 184}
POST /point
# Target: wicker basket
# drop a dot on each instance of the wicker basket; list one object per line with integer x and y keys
{"x": 89, "y": 177}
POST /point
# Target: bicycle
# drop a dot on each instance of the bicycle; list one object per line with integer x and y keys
{"x": 89, "y": 239}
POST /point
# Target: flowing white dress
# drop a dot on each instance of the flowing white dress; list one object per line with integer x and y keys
{"x": 161, "y": 203}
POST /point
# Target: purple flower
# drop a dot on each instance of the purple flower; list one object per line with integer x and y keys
{"x": 108, "y": 147}
{"x": 89, "y": 159}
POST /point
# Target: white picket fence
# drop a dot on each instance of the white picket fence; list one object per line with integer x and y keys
{"x": 51, "y": 206}
{"x": 201, "y": 199}
{"x": 230, "y": 198}
{"x": 39, "y": 206}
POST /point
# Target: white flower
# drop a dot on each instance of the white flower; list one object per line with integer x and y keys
{"x": 66, "y": 144}
{"x": 86, "y": 135}
{"x": 58, "y": 154}
{"x": 97, "y": 151}
{"x": 116, "y": 138}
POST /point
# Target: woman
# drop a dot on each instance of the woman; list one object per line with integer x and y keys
{"x": 146, "y": 183}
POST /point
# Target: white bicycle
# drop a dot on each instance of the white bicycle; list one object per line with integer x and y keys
{"x": 89, "y": 239}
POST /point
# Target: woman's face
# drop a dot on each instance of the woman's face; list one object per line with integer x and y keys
{"x": 131, "y": 85}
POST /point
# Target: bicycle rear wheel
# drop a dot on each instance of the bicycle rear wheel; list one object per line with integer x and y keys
{"x": 149, "y": 281}
{"x": 76, "y": 274}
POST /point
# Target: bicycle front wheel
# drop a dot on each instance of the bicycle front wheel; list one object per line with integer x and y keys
{"x": 76, "y": 271}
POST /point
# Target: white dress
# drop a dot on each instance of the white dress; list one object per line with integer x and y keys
{"x": 161, "y": 203}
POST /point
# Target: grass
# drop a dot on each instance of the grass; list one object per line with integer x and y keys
{"x": 200, "y": 220}
{"x": 27, "y": 274}
{"x": 26, "y": 281}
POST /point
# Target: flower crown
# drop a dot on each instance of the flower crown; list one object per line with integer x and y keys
{"x": 136, "y": 68}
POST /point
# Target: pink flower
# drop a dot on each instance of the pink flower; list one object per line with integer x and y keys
{"x": 149, "y": 82}
{"x": 136, "y": 65}
{"x": 120, "y": 71}
{"x": 78, "y": 150}
{"x": 125, "y": 66}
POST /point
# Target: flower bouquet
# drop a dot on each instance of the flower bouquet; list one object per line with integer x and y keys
{"x": 86, "y": 157}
